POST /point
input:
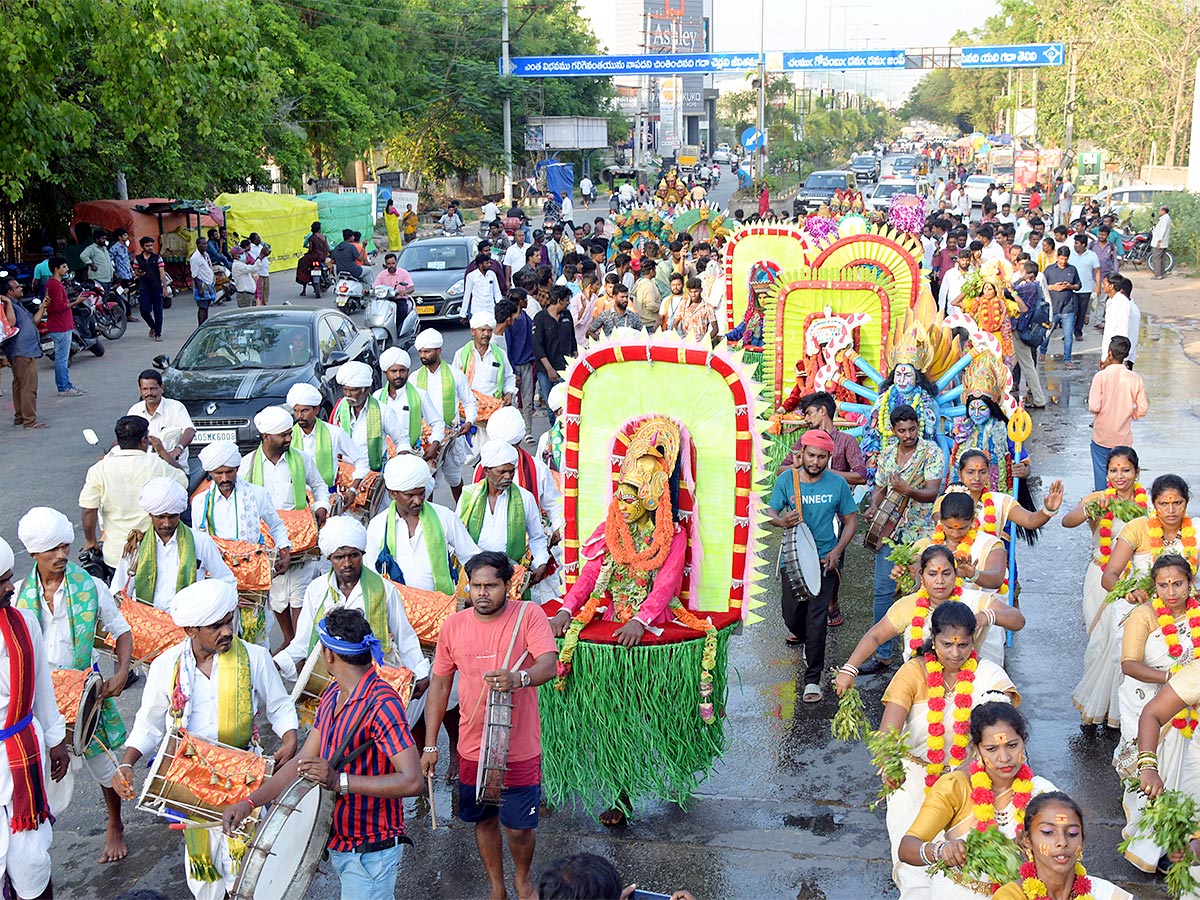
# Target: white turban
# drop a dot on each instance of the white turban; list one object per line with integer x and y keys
{"x": 506, "y": 424}
{"x": 497, "y": 453}
{"x": 483, "y": 320}
{"x": 354, "y": 374}
{"x": 43, "y": 528}
{"x": 406, "y": 472}
{"x": 342, "y": 531}
{"x": 394, "y": 356}
{"x": 219, "y": 455}
{"x": 557, "y": 398}
{"x": 7, "y": 560}
{"x": 163, "y": 497}
{"x": 273, "y": 420}
{"x": 429, "y": 339}
{"x": 203, "y": 603}
{"x": 303, "y": 394}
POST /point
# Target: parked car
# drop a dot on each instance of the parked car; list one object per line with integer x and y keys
{"x": 1125, "y": 201}
{"x": 819, "y": 188}
{"x": 976, "y": 187}
{"x": 865, "y": 167}
{"x": 880, "y": 196}
{"x": 241, "y": 361}
{"x": 438, "y": 266}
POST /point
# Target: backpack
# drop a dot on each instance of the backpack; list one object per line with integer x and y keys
{"x": 1033, "y": 325}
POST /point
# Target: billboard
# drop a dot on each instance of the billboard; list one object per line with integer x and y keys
{"x": 675, "y": 26}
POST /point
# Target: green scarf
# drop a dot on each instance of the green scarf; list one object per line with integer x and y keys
{"x": 413, "y": 401}
{"x": 435, "y": 544}
{"x": 449, "y": 395}
{"x": 374, "y": 604}
{"x": 295, "y": 463}
{"x": 464, "y": 359}
{"x": 345, "y": 418}
{"x": 554, "y": 444}
{"x": 145, "y": 578}
{"x": 83, "y": 603}
{"x": 471, "y": 508}
{"x": 326, "y": 464}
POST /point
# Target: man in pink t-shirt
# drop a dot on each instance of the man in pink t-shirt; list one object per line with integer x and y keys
{"x": 508, "y": 647}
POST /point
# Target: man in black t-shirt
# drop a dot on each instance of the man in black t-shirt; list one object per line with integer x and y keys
{"x": 1062, "y": 281}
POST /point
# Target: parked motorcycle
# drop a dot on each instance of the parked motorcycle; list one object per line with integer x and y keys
{"x": 349, "y": 293}
{"x": 384, "y": 308}
{"x": 83, "y": 337}
{"x": 1137, "y": 251}
{"x": 320, "y": 279}
{"x": 108, "y": 311}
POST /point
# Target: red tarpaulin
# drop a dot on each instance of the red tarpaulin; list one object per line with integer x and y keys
{"x": 113, "y": 214}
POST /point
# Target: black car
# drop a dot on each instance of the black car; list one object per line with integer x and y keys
{"x": 819, "y": 188}
{"x": 244, "y": 360}
{"x": 865, "y": 167}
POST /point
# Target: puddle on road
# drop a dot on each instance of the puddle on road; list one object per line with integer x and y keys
{"x": 821, "y": 825}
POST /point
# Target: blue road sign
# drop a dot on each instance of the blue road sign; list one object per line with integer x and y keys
{"x": 842, "y": 60}
{"x": 664, "y": 64}
{"x": 752, "y": 139}
{"x": 1012, "y": 56}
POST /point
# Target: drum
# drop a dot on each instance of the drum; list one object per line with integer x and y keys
{"x": 487, "y": 405}
{"x": 883, "y": 523}
{"x": 77, "y": 692}
{"x": 493, "y": 754}
{"x": 801, "y": 561}
{"x": 308, "y": 695}
{"x": 195, "y": 779}
{"x": 251, "y": 564}
{"x": 302, "y": 532}
{"x": 153, "y": 630}
{"x": 426, "y": 611}
{"x": 288, "y": 845}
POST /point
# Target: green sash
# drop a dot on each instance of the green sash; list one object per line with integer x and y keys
{"x": 83, "y": 604}
{"x": 295, "y": 463}
{"x": 449, "y": 394}
{"x": 471, "y": 508}
{"x": 554, "y": 444}
{"x": 435, "y": 545}
{"x": 414, "y": 410}
{"x": 326, "y": 464}
{"x": 345, "y": 418}
{"x": 374, "y": 604}
{"x": 465, "y": 357}
{"x": 145, "y": 579}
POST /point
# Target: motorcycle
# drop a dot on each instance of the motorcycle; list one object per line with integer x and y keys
{"x": 551, "y": 213}
{"x": 319, "y": 278}
{"x": 108, "y": 311}
{"x": 1137, "y": 250}
{"x": 349, "y": 292}
{"x": 83, "y": 336}
{"x": 384, "y": 308}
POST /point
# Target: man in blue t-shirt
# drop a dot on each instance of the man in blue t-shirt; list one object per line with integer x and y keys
{"x": 824, "y": 496}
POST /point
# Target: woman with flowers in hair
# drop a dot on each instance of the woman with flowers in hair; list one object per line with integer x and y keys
{"x": 994, "y": 792}
{"x": 1161, "y": 637}
{"x": 929, "y": 701}
{"x": 1166, "y": 530}
{"x": 1053, "y": 844}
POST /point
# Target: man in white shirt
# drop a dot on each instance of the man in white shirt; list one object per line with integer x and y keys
{"x": 514, "y": 256}
{"x": 449, "y": 390}
{"x": 490, "y": 212}
{"x": 262, "y": 267}
{"x": 964, "y": 204}
{"x": 198, "y": 669}
{"x": 950, "y": 293}
{"x": 939, "y": 190}
{"x": 70, "y": 606}
{"x": 170, "y": 555}
{"x": 1160, "y": 240}
{"x": 245, "y": 282}
{"x": 170, "y": 423}
{"x": 585, "y": 191}
{"x": 351, "y": 584}
{"x": 330, "y": 447}
{"x": 482, "y": 290}
{"x": 991, "y": 247}
{"x": 1065, "y": 200}
{"x": 204, "y": 280}
{"x": 1122, "y": 315}
{"x": 411, "y": 406}
{"x": 568, "y": 207}
{"x": 1006, "y": 214}
{"x": 368, "y": 422}
{"x": 484, "y": 363}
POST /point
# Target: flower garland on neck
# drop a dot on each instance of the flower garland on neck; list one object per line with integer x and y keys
{"x": 618, "y": 537}
{"x": 991, "y": 521}
{"x": 935, "y": 680}
{"x": 1187, "y": 537}
{"x": 1104, "y": 529}
{"x": 1186, "y": 720}
{"x": 892, "y": 398}
{"x": 964, "y": 546}
{"x": 1035, "y": 888}
{"x": 916, "y": 631}
{"x": 984, "y": 798}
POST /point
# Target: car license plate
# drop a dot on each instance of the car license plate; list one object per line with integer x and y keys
{"x": 212, "y": 435}
{"x": 424, "y": 310}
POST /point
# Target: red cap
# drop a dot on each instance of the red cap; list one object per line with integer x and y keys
{"x": 817, "y": 437}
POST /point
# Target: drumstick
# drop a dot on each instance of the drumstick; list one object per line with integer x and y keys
{"x": 432, "y": 809}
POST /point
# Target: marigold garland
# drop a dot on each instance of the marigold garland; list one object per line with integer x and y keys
{"x": 1187, "y": 719}
{"x": 984, "y": 798}
{"x": 916, "y": 632}
{"x": 619, "y": 538}
{"x": 1035, "y": 888}
{"x": 1104, "y": 529}
{"x": 963, "y": 550}
{"x": 1187, "y": 537}
{"x": 935, "y": 680}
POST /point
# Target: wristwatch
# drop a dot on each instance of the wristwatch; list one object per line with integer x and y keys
{"x": 343, "y": 783}
{"x": 524, "y": 678}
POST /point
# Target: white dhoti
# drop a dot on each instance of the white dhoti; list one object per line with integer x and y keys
{"x": 25, "y": 856}
{"x": 455, "y": 458}
{"x": 59, "y": 793}
{"x": 218, "y": 848}
{"x": 287, "y": 590}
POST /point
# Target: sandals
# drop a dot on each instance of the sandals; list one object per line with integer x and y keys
{"x": 835, "y": 619}
{"x": 812, "y": 693}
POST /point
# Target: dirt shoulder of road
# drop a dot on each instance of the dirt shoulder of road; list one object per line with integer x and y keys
{"x": 1174, "y": 303}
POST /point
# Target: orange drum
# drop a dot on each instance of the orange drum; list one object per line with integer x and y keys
{"x": 251, "y": 563}
{"x": 77, "y": 693}
{"x": 346, "y": 475}
{"x": 153, "y": 630}
{"x": 487, "y": 405}
{"x": 302, "y": 530}
{"x": 426, "y": 611}
{"x": 309, "y": 696}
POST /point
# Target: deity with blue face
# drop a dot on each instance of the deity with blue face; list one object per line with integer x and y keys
{"x": 904, "y": 378}
{"x": 978, "y": 412}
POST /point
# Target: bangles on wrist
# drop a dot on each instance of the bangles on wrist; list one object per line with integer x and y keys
{"x": 1147, "y": 759}
{"x": 850, "y": 670}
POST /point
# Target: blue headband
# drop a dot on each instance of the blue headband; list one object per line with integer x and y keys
{"x": 338, "y": 645}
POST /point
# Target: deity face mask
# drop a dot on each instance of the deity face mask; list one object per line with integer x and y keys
{"x": 905, "y": 379}
{"x": 631, "y": 506}
{"x": 978, "y": 412}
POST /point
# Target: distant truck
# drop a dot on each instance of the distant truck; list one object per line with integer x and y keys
{"x": 687, "y": 157}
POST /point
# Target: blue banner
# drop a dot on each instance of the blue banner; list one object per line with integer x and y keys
{"x": 1011, "y": 56}
{"x": 665, "y": 64}
{"x": 842, "y": 60}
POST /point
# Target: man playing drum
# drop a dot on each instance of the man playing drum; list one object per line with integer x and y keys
{"x": 412, "y": 406}
{"x": 171, "y": 555}
{"x": 286, "y": 471}
{"x": 37, "y": 734}
{"x": 369, "y": 423}
{"x": 484, "y": 362}
{"x": 502, "y": 646}
{"x": 501, "y": 515}
{"x": 351, "y": 584}
{"x": 211, "y": 685}
{"x": 448, "y": 388}
{"x": 69, "y": 605}
{"x": 359, "y": 709}
{"x": 327, "y": 445}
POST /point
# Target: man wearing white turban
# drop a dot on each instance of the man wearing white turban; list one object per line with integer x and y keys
{"x": 171, "y": 555}
{"x": 25, "y": 859}
{"x": 485, "y": 363}
{"x": 410, "y": 540}
{"x": 369, "y": 423}
{"x": 331, "y": 448}
{"x": 448, "y": 389}
{"x": 351, "y": 584}
{"x": 69, "y": 604}
{"x": 412, "y": 406}
{"x": 501, "y": 515}
{"x": 211, "y": 665}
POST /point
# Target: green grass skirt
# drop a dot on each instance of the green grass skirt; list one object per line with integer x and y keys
{"x": 754, "y": 358}
{"x": 628, "y": 725}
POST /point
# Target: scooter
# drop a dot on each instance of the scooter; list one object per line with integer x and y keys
{"x": 348, "y": 295}
{"x": 384, "y": 308}
{"x": 319, "y": 278}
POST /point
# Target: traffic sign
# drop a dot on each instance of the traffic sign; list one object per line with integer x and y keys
{"x": 753, "y": 139}
{"x": 1010, "y": 56}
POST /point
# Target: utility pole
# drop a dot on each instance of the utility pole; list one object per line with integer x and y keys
{"x": 507, "y": 67}
{"x": 1069, "y": 112}
{"x": 760, "y": 170}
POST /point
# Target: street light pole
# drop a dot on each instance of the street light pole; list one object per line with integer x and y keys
{"x": 760, "y": 169}
{"x": 508, "y": 158}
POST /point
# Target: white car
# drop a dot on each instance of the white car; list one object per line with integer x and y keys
{"x": 976, "y": 187}
{"x": 722, "y": 154}
{"x": 880, "y": 196}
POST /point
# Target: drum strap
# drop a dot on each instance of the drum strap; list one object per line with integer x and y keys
{"x": 796, "y": 489}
